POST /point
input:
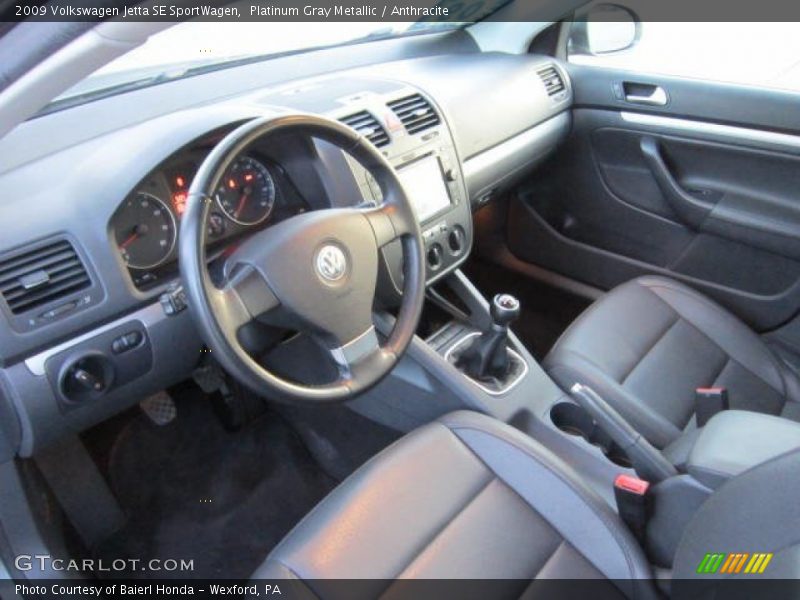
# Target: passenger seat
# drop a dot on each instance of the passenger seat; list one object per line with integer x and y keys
{"x": 647, "y": 345}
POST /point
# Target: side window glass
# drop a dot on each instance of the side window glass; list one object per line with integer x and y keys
{"x": 756, "y": 54}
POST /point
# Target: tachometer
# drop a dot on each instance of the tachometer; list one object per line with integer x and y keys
{"x": 246, "y": 194}
{"x": 145, "y": 231}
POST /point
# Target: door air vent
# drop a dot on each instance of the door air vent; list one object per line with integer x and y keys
{"x": 553, "y": 83}
{"x": 415, "y": 112}
{"x": 42, "y": 275}
{"x": 368, "y": 126}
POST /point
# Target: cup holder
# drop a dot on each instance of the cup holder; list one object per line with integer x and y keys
{"x": 574, "y": 420}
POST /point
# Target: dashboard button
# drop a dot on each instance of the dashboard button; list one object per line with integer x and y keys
{"x": 126, "y": 342}
{"x": 133, "y": 339}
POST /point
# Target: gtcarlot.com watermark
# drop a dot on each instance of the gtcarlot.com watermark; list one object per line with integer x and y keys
{"x": 45, "y": 562}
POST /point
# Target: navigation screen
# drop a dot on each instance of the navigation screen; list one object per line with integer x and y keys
{"x": 425, "y": 186}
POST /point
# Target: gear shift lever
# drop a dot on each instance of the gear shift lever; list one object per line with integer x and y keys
{"x": 487, "y": 356}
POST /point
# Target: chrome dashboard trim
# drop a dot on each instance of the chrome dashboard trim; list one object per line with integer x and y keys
{"x": 148, "y": 316}
{"x": 745, "y": 134}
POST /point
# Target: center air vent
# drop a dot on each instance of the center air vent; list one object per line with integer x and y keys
{"x": 36, "y": 277}
{"x": 368, "y": 126}
{"x": 553, "y": 83}
{"x": 415, "y": 112}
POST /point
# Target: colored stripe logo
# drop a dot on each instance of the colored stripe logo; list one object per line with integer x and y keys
{"x": 733, "y": 563}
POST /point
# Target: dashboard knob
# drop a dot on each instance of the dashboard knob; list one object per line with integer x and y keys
{"x": 435, "y": 255}
{"x": 455, "y": 240}
{"x": 86, "y": 378}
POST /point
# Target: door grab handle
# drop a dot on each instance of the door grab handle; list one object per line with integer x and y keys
{"x": 657, "y": 98}
{"x": 692, "y": 211}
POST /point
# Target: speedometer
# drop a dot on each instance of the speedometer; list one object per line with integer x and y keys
{"x": 246, "y": 193}
{"x": 144, "y": 230}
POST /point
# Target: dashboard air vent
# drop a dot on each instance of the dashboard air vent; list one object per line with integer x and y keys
{"x": 553, "y": 83}
{"x": 39, "y": 276}
{"x": 368, "y": 126}
{"x": 415, "y": 112}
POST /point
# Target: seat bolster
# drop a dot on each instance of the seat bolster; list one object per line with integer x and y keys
{"x": 553, "y": 489}
{"x": 755, "y": 512}
{"x": 567, "y": 368}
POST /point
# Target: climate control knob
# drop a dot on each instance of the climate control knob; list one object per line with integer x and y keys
{"x": 456, "y": 240}
{"x": 435, "y": 256}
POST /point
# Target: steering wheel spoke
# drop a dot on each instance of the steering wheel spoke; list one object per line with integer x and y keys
{"x": 360, "y": 358}
{"x": 245, "y": 297}
{"x": 389, "y": 222}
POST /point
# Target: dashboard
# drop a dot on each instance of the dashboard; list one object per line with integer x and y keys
{"x": 83, "y": 279}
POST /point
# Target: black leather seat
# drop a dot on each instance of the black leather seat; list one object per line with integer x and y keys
{"x": 464, "y": 497}
{"x": 649, "y": 343}
{"x": 468, "y": 497}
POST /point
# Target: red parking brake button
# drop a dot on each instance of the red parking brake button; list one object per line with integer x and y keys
{"x": 631, "y": 484}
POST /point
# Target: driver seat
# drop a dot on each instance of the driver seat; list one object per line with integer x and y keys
{"x": 470, "y": 497}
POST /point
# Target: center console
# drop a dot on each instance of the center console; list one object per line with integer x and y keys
{"x": 412, "y": 133}
{"x": 471, "y": 360}
{"x": 448, "y": 367}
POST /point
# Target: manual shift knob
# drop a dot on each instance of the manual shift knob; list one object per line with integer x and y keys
{"x": 505, "y": 309}
{"x": 487, "y": 357}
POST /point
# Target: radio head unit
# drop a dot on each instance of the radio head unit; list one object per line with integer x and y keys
{"x": 423, "y": 181}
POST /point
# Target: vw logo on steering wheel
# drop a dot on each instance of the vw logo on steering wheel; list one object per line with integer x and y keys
{"x": 331, "y": 263}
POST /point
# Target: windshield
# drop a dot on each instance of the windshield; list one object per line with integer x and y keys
{"x": 195, "y": 47}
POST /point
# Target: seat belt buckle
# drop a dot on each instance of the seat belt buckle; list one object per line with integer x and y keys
{"x": 708, "y": 402}
{"x": 631, "y": 494}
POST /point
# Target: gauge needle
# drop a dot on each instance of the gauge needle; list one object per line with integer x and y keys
{"x": 242, "y": 202}
{"x": 137, "y": 232}
{"x": 131, "y": 238}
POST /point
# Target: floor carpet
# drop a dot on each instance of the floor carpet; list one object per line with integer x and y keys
{"x": 193, "y": 490}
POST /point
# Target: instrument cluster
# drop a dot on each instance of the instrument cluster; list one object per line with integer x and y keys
{"x": 253, "y": 193}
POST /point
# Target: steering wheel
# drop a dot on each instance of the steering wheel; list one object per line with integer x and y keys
{"x": 315, "y": 272}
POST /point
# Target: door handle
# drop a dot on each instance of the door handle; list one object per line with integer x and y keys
{"x": 638, "y": 94}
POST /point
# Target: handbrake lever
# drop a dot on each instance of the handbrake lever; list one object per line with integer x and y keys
{"x": 647, "y": 461}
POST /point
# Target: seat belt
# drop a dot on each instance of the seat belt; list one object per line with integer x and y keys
{"x": 80, "y": 490}
{"x": 633, "y": 506}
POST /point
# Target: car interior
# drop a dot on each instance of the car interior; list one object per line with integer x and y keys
{"x": 444, "y": 305}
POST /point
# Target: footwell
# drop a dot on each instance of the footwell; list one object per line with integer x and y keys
{"x": 194, "y": 491}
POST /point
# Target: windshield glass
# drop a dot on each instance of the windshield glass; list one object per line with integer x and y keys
{"x": 194, "y": 47}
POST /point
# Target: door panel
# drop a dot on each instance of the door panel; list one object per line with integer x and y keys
{"x": 705, "y": 189}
